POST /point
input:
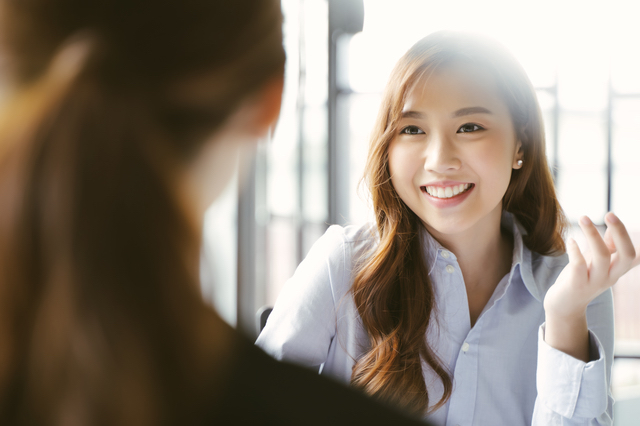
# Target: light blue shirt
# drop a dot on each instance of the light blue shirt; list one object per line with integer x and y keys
{"x": 503, "y": 371}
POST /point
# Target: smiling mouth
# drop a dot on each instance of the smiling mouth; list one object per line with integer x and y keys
{"x": 447, "y": 191}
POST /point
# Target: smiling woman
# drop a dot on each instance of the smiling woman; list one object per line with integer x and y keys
{"x": 464, "y": 274}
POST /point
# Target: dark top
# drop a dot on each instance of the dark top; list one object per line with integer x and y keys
{"x": 261, "y": 390}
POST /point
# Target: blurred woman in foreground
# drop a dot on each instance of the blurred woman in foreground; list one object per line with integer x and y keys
{"x": 122, "y": 123}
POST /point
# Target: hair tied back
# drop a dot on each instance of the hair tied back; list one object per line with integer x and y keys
{"x": 24, "y": 108}
{"x": 69, "y": 61}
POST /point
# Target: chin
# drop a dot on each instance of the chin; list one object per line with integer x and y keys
{"x": 447, "y": 226}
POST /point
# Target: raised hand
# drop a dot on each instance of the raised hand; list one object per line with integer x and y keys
{"x": 581, "y": 281}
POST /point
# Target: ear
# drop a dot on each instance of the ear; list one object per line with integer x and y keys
{"x": 519, "y": 156}
{"x": 268, "y": 102}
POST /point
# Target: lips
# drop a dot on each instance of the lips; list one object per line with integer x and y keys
{"x": 445, "y": 192}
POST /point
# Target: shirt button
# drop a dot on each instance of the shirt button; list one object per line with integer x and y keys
{"x": 465, "y": 347}
{"x": 450, "y": 269}
{"x": 444, "y": 254}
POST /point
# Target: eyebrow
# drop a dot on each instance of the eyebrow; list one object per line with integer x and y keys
{"x": 459, "y": 113}
{"x": 412, "y": 114}
{"x": 471, "y": 110}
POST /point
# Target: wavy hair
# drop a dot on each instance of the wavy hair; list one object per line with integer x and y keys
{"x": 392, "y": 289}
{"x": 101, "y": 318}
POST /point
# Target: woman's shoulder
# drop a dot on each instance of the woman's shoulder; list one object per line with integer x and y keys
{"x": 353, "y": 240}
{"x": 332, "y": 259}
{"x": 354, "y": 234}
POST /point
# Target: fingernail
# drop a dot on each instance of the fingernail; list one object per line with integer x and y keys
{"x": 585, "y": 220}
{"x": 612, "y": 218}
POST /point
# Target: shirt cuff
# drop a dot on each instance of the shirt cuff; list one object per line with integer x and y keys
{"x": 569, "y": 386}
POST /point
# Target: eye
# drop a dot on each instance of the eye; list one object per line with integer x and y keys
{"x": 411, "y": 130}
{"x": 469, "y": 127}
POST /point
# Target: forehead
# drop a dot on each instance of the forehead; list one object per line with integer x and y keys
{"x": 454, "y": 86}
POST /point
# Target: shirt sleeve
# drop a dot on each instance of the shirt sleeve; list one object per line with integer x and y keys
{"x": 570, "y": 391}
{"x": 303, "y": 321}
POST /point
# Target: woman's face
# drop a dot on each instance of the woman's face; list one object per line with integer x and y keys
{"x": 233, "y": 144}
{"x": 455, "y": 148}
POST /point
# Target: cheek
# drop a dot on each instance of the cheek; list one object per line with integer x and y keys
{"x": 216, "y": 170}
{"x": 496, "y": 164}
{"x": 401, "y": 167}
{"x": 403, "y": 161}
{"x": 215, "y": 166}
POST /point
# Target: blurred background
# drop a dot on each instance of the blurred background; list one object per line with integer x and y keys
{"x": 582, "y": 57}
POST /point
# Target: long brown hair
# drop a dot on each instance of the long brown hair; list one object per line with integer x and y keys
{"x": 392, "y": 289}
{"x": 101, "y": 319}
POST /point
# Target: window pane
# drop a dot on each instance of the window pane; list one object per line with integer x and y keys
{"x": 626, "y": 157}
{"x": 314, "y": 168}
{"x": 626, "y": 301}
{"x": 582, "y": 152}
{"x": 218, "y": 262}
{"x": 625, "y": 203}
{"x": 625, "y": 384}
{"x": 281, "y": 256}
{"x": 547, "y": 105}
{"x": 316, "y": 54}
{"x": 625, "y": 62}
{"x": 363, "y": 110}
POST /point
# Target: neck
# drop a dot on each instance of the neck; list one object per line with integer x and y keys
{"x": 484, "y": 252}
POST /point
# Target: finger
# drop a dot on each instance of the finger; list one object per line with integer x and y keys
{"x": 625, "y": 252}
{"x": 576, "y": 259}
{"x": 601, "y": 259}
{"x": 636, "y": 261}
{"x": 608, "y": 240}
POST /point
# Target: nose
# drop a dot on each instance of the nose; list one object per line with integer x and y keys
{"x": 441, "y": 154}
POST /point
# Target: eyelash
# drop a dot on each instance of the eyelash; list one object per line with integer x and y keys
{"x": 405, "y": 130}
{"x": 477, "y": 127}
{"x": 415, "y": 130}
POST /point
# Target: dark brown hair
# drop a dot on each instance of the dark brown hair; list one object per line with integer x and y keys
{"x": 392, "y": 289}
{"x": 101, "y": 319}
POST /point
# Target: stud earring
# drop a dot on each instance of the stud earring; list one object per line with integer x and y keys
{"x": 519, "y": 163}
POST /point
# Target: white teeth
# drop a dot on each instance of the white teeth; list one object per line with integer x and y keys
{"x": 447, "y": 192}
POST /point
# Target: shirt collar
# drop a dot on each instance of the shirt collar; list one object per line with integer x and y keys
{"x": 538, "y": 272}
{"x": 431, "y": 248}
{"x": 511, "y": 224}
{"x": 521, "y": 254}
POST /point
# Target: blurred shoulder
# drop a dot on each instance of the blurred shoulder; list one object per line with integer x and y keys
{"x": 355, "y": 240}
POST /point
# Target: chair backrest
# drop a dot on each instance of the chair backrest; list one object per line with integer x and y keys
{"x": 261, "y": 317}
